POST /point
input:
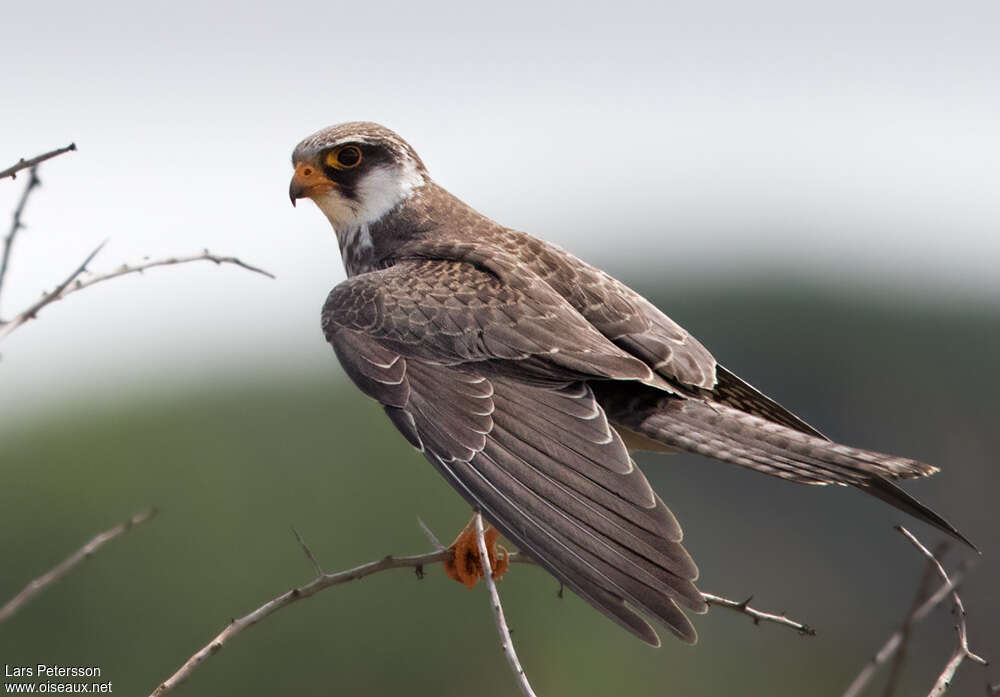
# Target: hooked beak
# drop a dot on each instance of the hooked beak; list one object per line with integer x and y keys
{"x": 307, "y": 182}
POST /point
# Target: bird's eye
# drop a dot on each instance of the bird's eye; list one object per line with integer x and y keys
{"x": 344, "y": 157}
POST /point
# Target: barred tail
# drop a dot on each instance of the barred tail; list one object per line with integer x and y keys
{"x": 731, "y": 435}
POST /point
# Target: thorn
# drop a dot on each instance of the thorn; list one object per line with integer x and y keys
{"x": 308, "y": 552}
{"x": 435, "y": 542}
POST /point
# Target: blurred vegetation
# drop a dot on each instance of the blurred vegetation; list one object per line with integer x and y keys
{"x": 232, "y": 468}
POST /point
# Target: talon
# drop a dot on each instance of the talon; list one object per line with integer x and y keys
{"x": 464, "y": 565}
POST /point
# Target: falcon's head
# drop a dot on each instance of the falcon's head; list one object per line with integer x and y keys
{"x": 355, "y": 172}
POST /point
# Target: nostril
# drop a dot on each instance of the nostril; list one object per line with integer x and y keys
{"x": 307, "y": 171}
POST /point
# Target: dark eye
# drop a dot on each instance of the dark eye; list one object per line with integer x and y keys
{"x": 344, "y": 157}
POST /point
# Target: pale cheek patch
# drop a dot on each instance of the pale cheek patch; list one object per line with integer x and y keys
{"x": 382, "y": 189}
{"x": 377, "y": 193}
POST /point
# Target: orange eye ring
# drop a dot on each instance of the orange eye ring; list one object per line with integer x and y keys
{"x": 344, "y": 157}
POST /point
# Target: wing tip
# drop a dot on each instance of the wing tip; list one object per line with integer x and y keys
{"x": 887, "y": 491}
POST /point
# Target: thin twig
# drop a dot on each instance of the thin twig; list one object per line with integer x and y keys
{"x": 923, "y": 590}
{"x": 16, "y": 224}
{"x": 895, "y": 642}
{"x": 416, "y": 562}
{"x": 962, "y": 650}
{"x": 73, "y": 284}
{"x": 38, "y": 159}
{"x": 312, "y": 588}
{"x": 505, "y": 641}
{"x": 66, "y": 565}
{"x": 309, "y": 555}
{"x": 756, "y": 615}
{"x": 435, "y": 542}
{"x": 47, "y": 298}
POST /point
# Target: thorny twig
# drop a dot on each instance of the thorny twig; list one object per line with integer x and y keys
{"x": 416, "y": 562}
{"x": 906, "y": 630}
{"x": 69, "y": 563}
{"x": 756, "y": 615}
{"x": 73, "y": 283}
{"x": 962, "y": 650}
{"x": 895, "y": 642}
{"x": 38, "y": 159}
{"x": 505, "y": 641}
{"x": 312, "y": 588}
{"x": 60, "y": 291}
{"x": 16, "y": 223}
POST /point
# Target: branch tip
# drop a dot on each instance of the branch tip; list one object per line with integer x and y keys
{"x": 73, "y": 284}
{"x": 62, "y": 569}
{"x": 33, "y": 162}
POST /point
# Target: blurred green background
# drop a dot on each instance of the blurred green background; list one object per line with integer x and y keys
{"x": 234, "y": 463}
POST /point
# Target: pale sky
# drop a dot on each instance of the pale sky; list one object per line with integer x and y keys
{"x": 853, "y": 140}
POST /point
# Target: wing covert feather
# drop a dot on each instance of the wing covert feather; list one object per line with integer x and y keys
{"x": 452, "y": 312}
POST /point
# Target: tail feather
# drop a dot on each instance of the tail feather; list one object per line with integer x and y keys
{"x": 731, "y": 435}
{"x": 734, "y": 436}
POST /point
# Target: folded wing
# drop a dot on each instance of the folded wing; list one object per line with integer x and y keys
{"x": 489, "y": 384}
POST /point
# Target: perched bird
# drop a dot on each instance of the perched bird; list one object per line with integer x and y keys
{"x": 525, "y": 376}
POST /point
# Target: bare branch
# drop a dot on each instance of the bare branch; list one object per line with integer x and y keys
{"x": 923, "y": 591}
{"x": 69, "y": 563}
{"x": 416, "y": 562}
{"x": 38, "y": 159}
{"x": 505, "y": 641}
{"x": 47, "y": 298}
{"x": 962, "y": 650}
{"x": 756, "y": 615}
{"x": 16, "y": 224}
{"x": 312, "y": 588}
{"x": 895, "y": 642}
{"x": 73, "y": 284}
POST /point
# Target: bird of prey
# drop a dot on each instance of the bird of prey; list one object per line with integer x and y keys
{"x": 526, "y": 376}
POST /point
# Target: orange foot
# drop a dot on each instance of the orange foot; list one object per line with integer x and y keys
{"x": 464, "y": 563}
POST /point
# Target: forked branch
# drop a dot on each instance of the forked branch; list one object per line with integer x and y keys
{"x": 962, "y": 651}
{"x": 417, "y": 563}
{"x": 74, "y": 282}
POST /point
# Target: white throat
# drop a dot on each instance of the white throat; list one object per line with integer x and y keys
{"x": 377, "y": 193}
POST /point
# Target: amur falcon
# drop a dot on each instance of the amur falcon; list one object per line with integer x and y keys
{"x": 526, "y": 376}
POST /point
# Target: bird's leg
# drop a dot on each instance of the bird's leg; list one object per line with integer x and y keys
{"x": 464, "y": 565}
